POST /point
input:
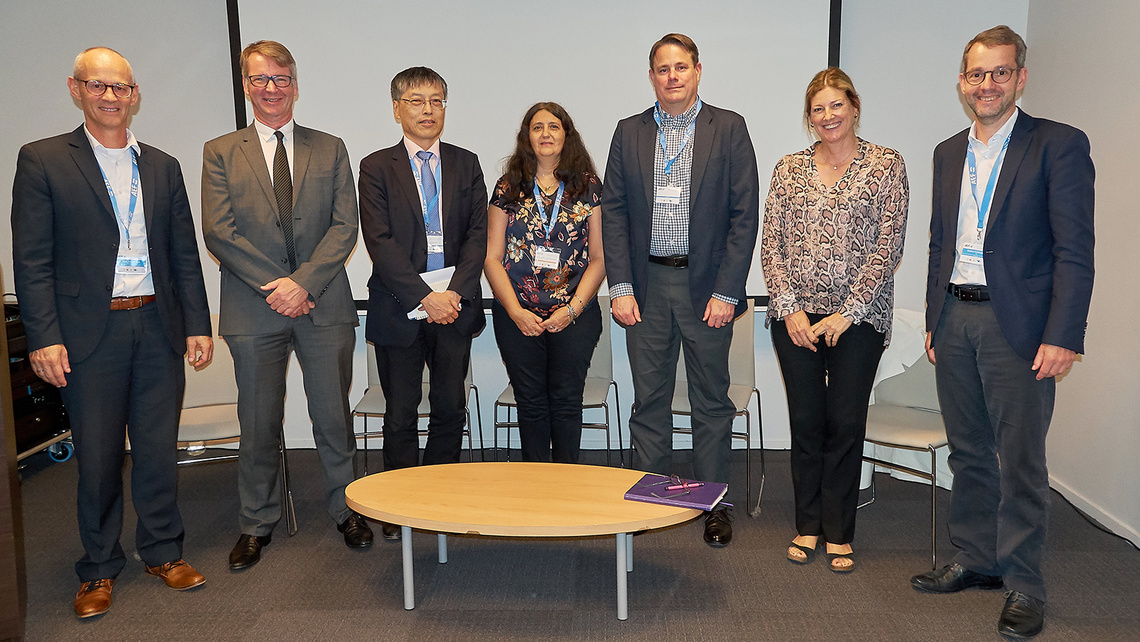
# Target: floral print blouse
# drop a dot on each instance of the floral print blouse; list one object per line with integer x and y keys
{"x": 827, "y": 250}
{"x": 540, "y": 290}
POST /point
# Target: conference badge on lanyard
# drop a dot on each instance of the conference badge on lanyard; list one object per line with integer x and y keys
{"x": 130, "y": 260}
{"x": 670, "y": 194}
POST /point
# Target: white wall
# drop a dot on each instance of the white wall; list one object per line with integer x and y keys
{"x": 1095, "y": 435}
{"x": 180, "y": 57}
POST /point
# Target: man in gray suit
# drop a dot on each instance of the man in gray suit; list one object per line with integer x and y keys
{"x": 279, "y": 213}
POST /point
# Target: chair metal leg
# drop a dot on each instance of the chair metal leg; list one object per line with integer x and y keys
{"x": 617, "y": 412}
{"x": 478, "y": 418}
{"x": 286, "y": 492}
{"x": 763, "y": 471}
{"x": 365, "y": 445}
{"x": 933, "y": 509}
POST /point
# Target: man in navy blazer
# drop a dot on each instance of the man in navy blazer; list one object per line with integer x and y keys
{"x": 110, "y": 302}
{"x": 681, "y": 203}
{"x": 1008, "y": 291}
{"x": 423, "y": 206}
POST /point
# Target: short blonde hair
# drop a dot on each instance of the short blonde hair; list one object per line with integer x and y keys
{"x": 272, "y": 50}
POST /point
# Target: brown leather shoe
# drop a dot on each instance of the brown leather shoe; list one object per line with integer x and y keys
{"x": 178, "y": 575}
{"x": 93, "y": 598}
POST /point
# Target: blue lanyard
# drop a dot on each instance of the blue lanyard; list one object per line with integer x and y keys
{"x": 419, "y": 184}
{"x": 554, "y": 209}
{"x": 134, "y": 195}
{"x": 684, "y": 141}
{"x": 984, "y": 205}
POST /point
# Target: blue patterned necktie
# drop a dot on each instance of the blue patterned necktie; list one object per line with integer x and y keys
{"x": 427, "y": 181}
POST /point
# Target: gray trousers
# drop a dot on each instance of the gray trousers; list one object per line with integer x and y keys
{"x": 668, "y": 323}
{"x": 997, "y": 415}
{"x": 260, "y": 364}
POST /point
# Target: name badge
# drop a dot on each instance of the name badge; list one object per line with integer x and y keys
{"x": 668, "y": 195}
{"x": 546, "y": 258}
{"x": 132, "y": 262}
{"x": 435, "y": 242}
{"x": 971, "y": 254}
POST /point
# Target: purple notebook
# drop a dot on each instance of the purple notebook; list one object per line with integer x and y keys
{"x": 652, "y": 488}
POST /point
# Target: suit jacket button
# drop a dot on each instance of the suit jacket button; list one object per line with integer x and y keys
{"x": 284, "y": 261}
{"x": 109, "y": 288}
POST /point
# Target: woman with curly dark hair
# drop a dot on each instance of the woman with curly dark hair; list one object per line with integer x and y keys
{"x": 544, "y": 264}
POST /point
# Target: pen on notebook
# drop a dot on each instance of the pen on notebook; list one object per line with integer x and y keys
{"x": 685, "y": 486}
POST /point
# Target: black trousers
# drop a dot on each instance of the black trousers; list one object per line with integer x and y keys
{"x": 447, "y": 354}
{"x": 828, "y": 391}
{"x": 548, "y": 375}
{"x": 132, "y": 384}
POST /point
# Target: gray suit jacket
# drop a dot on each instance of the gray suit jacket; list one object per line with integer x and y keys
{"x": 239, "y": 223}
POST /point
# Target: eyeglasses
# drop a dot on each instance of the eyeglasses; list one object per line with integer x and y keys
{"x": 1000, "y": 75}
{"x": 280, "y": 82}
{"x": 418, "y": 103}
{"x": 98, "y": 88}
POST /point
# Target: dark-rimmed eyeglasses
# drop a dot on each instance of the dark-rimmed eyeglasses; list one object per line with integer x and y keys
{"x": 98, "y": 88}
{"x": 262, "y": 80}
{"x": 418, "y": 103}
{"x": 1000, "y": 75}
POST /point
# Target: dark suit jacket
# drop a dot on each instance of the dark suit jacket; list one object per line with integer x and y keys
{"x": 65, "y": 239}
{"x": 1039, "y": 234}
{"x": 724, "y": 205}
{"x": 392, "y": 221}
{"x": 240, "y": 227}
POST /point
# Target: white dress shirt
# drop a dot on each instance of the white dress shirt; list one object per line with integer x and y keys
{"x": 986, "y": 156}
{"x": 117, "y": 166}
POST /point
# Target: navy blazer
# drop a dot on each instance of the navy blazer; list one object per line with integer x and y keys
{"x": 65, "y": 239}
{"x": 1038, "y": 249}
{"x": 392, "y": 222}
{"x": 724, "y": 206}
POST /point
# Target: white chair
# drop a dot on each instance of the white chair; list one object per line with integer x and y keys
{"x": 741, "y": 388}
{"x": 372, "y": 404}
{"x": 599, "y": 380}
{"x": 906, "y": 415}
{"x": 209, "y": 418}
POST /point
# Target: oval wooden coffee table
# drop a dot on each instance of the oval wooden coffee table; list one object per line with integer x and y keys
{"x": 512, "y": 499}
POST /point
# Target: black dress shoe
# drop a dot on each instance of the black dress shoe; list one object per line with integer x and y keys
{"x": 356, "y": 532}
{"x": 391, "y": 532}
{"x": 953, "y": 578}
{"x": 718, "y": 527}
{"x": 247, "y": 551}
{"x": 1022, "y": 616}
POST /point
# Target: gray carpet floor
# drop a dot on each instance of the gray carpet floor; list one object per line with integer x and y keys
{"x": 312, "y": 587}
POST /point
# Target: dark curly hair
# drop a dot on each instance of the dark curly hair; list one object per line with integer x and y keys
{"x": 574, "y": 166}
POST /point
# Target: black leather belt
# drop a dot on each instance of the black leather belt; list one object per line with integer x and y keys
{"x": 672, "y": 261}
{"x": 969, "y": 292}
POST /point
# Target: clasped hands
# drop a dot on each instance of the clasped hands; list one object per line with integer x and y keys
{"x": 532, "y": 325}
{"x": 805, "y": 335}
{"x": 288, "y": 298}
{"x": 441, "y": 307}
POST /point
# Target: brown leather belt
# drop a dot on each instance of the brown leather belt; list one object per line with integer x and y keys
{"x": 671, "y": 261}
{"x": 131, "y": 302}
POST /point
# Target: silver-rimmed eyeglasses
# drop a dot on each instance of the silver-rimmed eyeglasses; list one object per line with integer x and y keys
{"x": 281, "y": 82}
{"x": 418, "y": 103}
{"x": 98, "y": 88}
{"x": 1000, "y": 75}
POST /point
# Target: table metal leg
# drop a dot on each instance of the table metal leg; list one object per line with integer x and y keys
{"x": 409, "y": 584}
{"x": 629, "y": 552}
{"x": 622, "y": 586}
{"x": 442, "y": 539}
